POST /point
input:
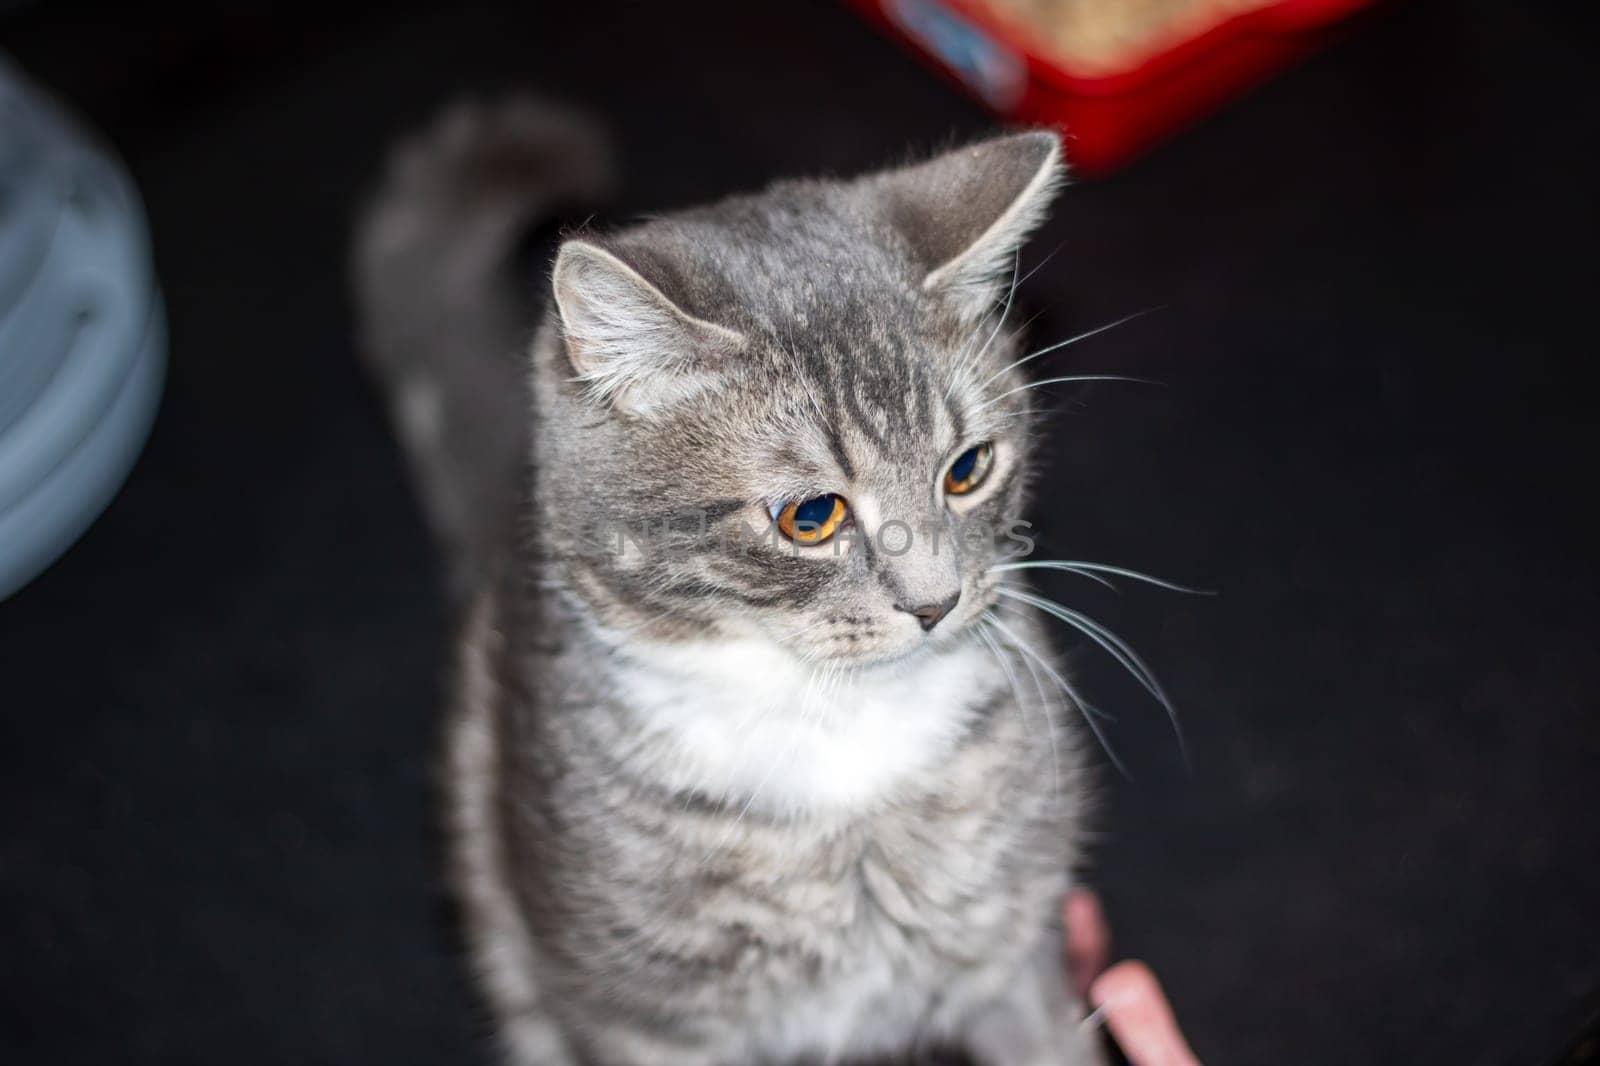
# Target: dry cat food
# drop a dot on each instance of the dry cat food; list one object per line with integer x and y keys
{"x": 1103, "y": 36}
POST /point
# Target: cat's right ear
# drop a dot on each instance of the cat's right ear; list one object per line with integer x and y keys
{"x": 966, "y": 213}
{"x": 630, "y": 345}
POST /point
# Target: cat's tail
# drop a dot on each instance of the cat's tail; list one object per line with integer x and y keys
{"x": 444, "y": 317}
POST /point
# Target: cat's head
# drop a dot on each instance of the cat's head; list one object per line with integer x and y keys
{"x": 790, "y": 415}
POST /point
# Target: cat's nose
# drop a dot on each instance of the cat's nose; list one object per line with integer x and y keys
{"x": 930, "y": 614}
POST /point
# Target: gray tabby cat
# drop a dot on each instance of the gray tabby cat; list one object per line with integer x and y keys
{"x": 740, "y": 769}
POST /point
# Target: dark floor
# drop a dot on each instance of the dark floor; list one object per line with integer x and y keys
{"x": 1377, "y": 442}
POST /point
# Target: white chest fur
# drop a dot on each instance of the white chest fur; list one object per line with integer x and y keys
{"x": 747, "y": 722}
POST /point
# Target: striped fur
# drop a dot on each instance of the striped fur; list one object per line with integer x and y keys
{"x": 713, "y": 798}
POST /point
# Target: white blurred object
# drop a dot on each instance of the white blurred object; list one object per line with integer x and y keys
{"x": 82, "y": 335}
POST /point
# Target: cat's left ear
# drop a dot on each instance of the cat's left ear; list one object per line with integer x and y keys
{"x": 967, "y": 213}
{"x": 633, "y": 347}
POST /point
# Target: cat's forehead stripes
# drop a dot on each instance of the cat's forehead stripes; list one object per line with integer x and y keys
{"x": 884, "y": 399}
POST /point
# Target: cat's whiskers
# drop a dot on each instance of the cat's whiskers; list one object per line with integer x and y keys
{"x": 1043, "y": 260}
{"x": 1063, "y": 379}
{"x": 1083, "y": 704}
{"x": 1033, "y": 658}
{"x": 1092, "y": 571}
{"x": 965, "y": 361}
{"x": 1114, "y": 645}
{"x": 963, "y": 365}
{"x": 970, "y": 368}
{"x": 1066, "y": 343}
{"x": 1090, "y": 574}
{"x": 1029, "y": 658}
{"x": 988, "y": 638}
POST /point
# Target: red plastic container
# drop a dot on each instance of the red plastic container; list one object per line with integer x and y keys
{"x": 1107, "y": 117}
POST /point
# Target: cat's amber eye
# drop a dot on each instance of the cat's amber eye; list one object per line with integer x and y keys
{"x": 969, "y": 469}
{"x": 812, "y": 521}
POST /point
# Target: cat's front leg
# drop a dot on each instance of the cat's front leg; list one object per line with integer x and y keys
{"x": 1036, "y": 1021}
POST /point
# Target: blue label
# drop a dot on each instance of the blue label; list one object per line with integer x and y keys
{"x": 992, "y": 70}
